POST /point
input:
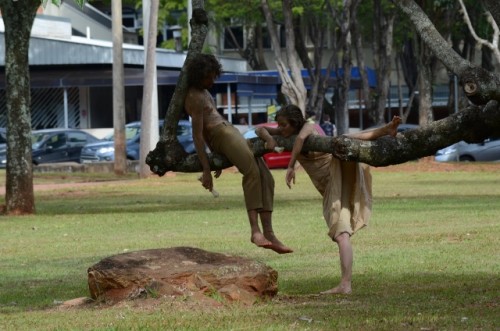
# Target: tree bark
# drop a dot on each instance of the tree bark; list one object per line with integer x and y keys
{"x": 18, "y": 19}
{"x": 292, "y": 85}
{"x": 425, "y": 113}
{"x": 493, "y": 6}
{"x": 384, "y": 22}
{"x": 366, "y": 94}
{"x": 149, "y": 114}
{"x": 473, "y": 124}
{"x": 120, "y": 164}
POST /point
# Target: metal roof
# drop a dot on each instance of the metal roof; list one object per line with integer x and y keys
{"x": 83, "y": 51}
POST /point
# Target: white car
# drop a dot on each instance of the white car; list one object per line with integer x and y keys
{"x": 488, "y": 150}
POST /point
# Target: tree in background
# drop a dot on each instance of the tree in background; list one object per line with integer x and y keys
{"x": 18, "y": 17}
{"x": 120, "y": 162}
{"x": 288, "y": 64}
{"x": 224, "y": 14}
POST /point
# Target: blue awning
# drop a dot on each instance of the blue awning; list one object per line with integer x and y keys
{"x": 248, "y": 85}
{"x": 356, "y": 82}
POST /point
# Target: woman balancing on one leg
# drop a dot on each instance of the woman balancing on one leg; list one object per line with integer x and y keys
{"x": 345, "y": 186}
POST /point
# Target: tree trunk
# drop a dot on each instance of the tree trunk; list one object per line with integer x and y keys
{"x": 493, "y": 6}
{"x": 425, "y": 114}
{"x": 349, "y": 11}
{"x": 168, "y": 149}
{"x": 149, "y": 114}
{"x": 292, "y": 85}
{"x": 366, "y": 96}
{"x": 18, "y": 19}
{"x": 120, "y": 164}
{"x": 384, "y": 20}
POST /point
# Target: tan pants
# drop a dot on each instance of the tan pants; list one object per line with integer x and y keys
{"x": 347, "y": 201}
{"x": 258, "y": 182}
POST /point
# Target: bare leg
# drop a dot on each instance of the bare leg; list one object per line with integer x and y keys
{"x": 390, "y": 129}
{"x": 257, "y": 237}
{"x": 346, "y": 258}
{"x": 267, "y": 227}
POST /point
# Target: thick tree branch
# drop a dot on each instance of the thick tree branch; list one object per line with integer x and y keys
{"x": 493, "y": 6}
{"x": 493, "y": 44}
{"x": 473, "y": 124}
{"x": 479, "y": 85}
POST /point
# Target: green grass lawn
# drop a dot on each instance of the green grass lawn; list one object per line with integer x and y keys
{"x": 429, "y": 260}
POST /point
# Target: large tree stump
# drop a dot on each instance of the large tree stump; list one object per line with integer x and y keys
{"x": 180, "y": 271}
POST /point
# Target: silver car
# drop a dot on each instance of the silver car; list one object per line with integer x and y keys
{"x": 488, "y": 150}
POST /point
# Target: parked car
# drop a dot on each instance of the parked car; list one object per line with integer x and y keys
{"x": 273, "y": 159}
{"x": 488, "y": 150}
{"x": 406, "y": 127}
{"x": 54, "y": 146}
{"x": 105, "y": 150}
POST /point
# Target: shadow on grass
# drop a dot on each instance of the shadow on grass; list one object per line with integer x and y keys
{"x": 402, "y": 294}
{"x": 151, "y": 203}
{"x": 450, "y": 297}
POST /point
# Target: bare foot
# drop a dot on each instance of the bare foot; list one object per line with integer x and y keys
{"x": 261, "y": 241}
{"x": 277, "y": 245}
{"x": 341, "y": 289}
{"x": 392, "y": 127}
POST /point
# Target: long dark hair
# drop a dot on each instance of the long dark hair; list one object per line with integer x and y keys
{"x": 293, "y": 115}
{"x": 200, "y": 66}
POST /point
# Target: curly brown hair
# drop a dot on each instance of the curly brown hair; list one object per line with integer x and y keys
{"x": 200, "y": 66}
{"x": 293, "y": 115}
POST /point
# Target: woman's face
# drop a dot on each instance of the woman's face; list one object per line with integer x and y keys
{"x": 286, "y": 128}
{"x": 208, "y": 80}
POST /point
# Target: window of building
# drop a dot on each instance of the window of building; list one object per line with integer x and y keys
{"x": 231, "y": 34}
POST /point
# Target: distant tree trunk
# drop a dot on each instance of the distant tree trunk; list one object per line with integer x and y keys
{"x": 292, "y": 85}
{"x": 382, "y": 43}
{"x": 366, "y": 96}
{"x": 253, "y": 52}
{"x": 18, "y": 19}
{"x": 493, "y": 6}
{"x": 341, "y": 96}
{"x": 120, "y": 164}
{"x": 149, "y": 117}
{"x": 400, "y": 89}
{"x": 408, "y": 63}
{"x": 425, "y": 113}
